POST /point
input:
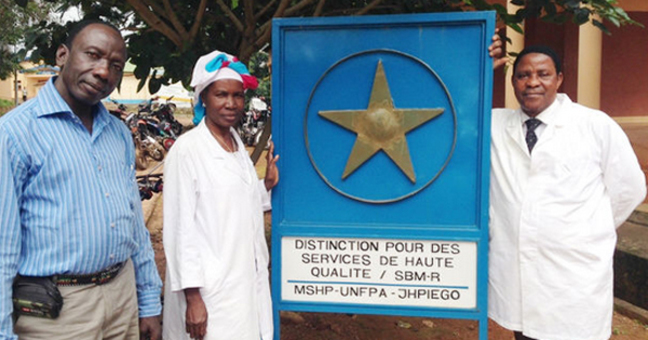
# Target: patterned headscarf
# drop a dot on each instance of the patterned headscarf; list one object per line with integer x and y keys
{"x": 216, "y": 66}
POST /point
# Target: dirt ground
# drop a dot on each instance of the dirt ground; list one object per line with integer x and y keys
{"x": 329, "y": 326}
{"x": 318, "y": 326}
{"x": 332, "y": 326}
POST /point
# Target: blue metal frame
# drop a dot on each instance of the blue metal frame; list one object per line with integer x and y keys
{"x": 305, "y": 206}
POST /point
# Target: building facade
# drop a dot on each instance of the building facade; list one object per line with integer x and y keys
{"x": 32, "y": 78}
{"x": 606, "y": 72}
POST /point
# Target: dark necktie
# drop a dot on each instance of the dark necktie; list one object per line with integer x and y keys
{"x": 531, "y": 137}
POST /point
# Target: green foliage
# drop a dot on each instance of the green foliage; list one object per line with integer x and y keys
{"x": 16, "y": 24}
{"x": 258, "y": 68}
{"x": 8, "y": 63}
{"x": 169, "y": 36}
{"x": 577, "y": 11}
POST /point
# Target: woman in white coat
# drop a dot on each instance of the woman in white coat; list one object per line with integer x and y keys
{"x": 217, "y": 259}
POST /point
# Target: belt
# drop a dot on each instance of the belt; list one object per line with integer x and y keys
{"x": 99, "y": 278}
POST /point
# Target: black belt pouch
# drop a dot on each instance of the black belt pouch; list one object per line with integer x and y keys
{"x": 36, "y": 296}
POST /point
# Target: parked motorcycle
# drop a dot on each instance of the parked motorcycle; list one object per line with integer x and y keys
{"x": 169, "y": 126}
{"x": 154, "y": 129}
{"x": 148, "y": 144}
{"x": 119, "y": 112}
{"x": 150, "y": 183}
{"x": 164, "y": 113}
{"x": 253, "y": 121}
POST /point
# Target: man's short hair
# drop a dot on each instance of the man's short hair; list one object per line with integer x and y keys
{"x": 78, "y": 27}
{"x": 542, "y": 49}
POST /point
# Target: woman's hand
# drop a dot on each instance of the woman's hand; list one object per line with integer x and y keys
{"x": 272, "y": 172}
{"x": 196, "y": 315}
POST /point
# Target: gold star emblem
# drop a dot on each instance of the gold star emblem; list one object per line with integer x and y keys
{"x": 381, "y": 127}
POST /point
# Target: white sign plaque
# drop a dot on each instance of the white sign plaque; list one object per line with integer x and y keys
{"x": 425, "y": 273}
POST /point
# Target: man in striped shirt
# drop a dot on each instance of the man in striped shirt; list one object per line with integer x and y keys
{"x": 70, "y": 207}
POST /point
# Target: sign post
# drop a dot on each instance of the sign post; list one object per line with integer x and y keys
{"x": 383, "y": 127}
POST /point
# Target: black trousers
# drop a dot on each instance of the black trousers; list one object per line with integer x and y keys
{"x": 519, "y": 336}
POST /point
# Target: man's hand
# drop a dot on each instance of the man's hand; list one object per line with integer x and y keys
{"x": 496, "y": 51}
{"x": 272, "y": 173}
{"x": 150, "y": 328}
{"x": 196, "y": 324}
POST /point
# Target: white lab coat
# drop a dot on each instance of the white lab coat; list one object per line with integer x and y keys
{"x": 214, "y": 239}
{"x": 553, "y": 220}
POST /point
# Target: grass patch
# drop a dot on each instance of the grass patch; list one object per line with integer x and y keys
{"x": 6, "y": 103}
{"x": 5, "y": 106}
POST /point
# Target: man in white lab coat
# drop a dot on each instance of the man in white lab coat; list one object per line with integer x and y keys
{"x": 560, "y": 186}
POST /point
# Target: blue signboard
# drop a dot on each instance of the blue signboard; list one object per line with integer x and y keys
{"x": 383, "y": 127}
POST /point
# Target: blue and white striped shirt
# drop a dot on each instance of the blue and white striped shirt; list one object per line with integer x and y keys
{"x": 70, "y": 203}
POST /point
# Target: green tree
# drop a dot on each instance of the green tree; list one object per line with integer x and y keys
{"x": 17, "y": 22}
{"x": 171, "y": 35}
